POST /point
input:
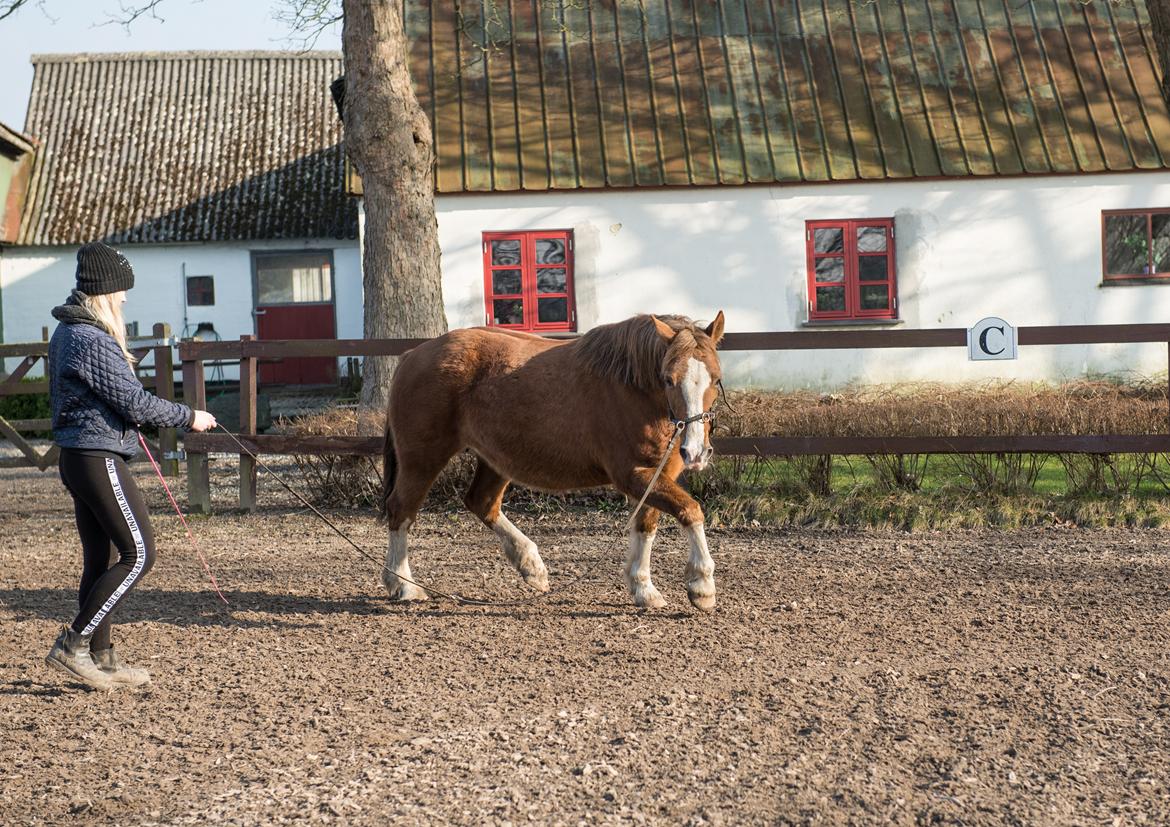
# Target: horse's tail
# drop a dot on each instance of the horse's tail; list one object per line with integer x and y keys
{"x": 389, "y": 470}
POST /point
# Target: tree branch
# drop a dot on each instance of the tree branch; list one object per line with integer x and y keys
{"x": 307, "y": 20}
{"x": 131, "y": 12}
{"x": 9, "y": 7}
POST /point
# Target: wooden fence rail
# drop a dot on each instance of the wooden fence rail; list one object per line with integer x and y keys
{"x": 250, "y": 350}
{"x": 162, "y": 381}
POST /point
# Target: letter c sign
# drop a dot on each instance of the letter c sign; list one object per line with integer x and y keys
{"x": 991, "y": 338}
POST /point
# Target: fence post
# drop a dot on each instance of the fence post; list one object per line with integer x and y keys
{"x": 247, "y": 423}
{"x": 164, "y": 386}
{"x": 198, "y": 476}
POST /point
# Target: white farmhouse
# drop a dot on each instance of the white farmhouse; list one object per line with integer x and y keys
{"x": 799, "y": 165}
{"x": 220, "y": 175}
{"x": 806, "y": 165}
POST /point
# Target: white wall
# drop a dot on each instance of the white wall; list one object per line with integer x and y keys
{"x": 34, "y": 280}
{"x": 1025, "y": 249}
{"x": 1028, "y": 250}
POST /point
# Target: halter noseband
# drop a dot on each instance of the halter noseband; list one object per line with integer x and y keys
{"x": 681, "y": 424}
{"x": 704, "y": 416}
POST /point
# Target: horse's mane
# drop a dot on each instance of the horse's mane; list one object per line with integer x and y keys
{"x": 632, "y": 351}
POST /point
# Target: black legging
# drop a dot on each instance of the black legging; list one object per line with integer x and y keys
{"x": 115, "y": 529}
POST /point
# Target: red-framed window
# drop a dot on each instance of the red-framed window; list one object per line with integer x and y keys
{"x": 1135, "y": 244}
{"x": 851, "y": 272}
{"x": 528, "y": 280}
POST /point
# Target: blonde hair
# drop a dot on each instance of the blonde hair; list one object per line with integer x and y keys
{"x": 108, "y": 311}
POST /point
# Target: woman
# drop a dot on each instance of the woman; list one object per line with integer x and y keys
{"x": 98, "y": 404}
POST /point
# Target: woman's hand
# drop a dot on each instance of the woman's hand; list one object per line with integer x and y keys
{"x": 203, "y": 421}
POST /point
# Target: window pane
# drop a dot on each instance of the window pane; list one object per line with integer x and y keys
{"x": 200, "y": 291}
{"x": 505, "y": 281}
{"x": 508, "y": 311}
{"x": 553, "y": 310}
{"x": 1126, "y": 245}
{"x": 829, "y": 240}
{"x": 506, "y": 251}
{"x": 871, "y": 239}
{"x": 871, "y": 268}
{"x": 550, "y": 280}
{"x": 1162, "y": 243}
{"x": 550, "y": 251}
{"x": 287, "y": 279}
{"x": 831, "y": 269}
{"x": 830, "y": 299}
{"x": 875, "y": 297}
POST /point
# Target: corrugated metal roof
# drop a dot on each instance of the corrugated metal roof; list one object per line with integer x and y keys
{"x": 186, "y": 146}
{"x": 527, "y": 94}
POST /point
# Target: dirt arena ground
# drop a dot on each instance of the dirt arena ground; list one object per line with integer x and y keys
{"x": 845, "y": 678}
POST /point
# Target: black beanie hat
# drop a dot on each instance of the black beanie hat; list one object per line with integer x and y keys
{"x": 102, "y": 269}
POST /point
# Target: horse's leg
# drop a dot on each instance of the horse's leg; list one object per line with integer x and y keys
{"x": 637, "y": 571}
{"x": 415, "y": 475}
{"x": 667, "y": 495}
{"x": 483, "y": 500}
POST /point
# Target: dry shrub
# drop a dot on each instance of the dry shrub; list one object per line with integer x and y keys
{"x": 813, "y": 473}
{"x": 729, "y": 477}
{"x": 994, "y": 408}
{"x": 899, "y": 472}
{"x": 999, "y": 473}
{"x": 735, "y": 484}
{"x": 1153, "y": 467}
{"x": 931, "y": 409}
{"x": 1104, "y": 474}
{"x": 338, "y": 481}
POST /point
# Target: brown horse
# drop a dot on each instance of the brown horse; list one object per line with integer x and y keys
{"x": 557, "y": 415}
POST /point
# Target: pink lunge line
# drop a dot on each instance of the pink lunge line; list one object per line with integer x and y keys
{"x": 182, "y": 519}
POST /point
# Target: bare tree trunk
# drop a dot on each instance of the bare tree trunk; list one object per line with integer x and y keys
{"x": 388, "y": 139}
{"x": 1160, "y": 28}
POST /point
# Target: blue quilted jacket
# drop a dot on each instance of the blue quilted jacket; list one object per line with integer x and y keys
{"x": 98, "y": 403}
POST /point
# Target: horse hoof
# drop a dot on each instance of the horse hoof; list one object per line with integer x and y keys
{"x": 702, "y": 602}
{"x": 405, "y": 592}
{"x": 649, "y": 599}
{"x": 539, "y": 582}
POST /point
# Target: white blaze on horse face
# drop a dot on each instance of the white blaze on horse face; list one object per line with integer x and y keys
{"x": 694, "y": 387}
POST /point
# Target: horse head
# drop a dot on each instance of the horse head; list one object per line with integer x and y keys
{"x": 690, "y": 374}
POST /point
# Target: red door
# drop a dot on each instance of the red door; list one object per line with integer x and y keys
{"x": 294, "y": 300}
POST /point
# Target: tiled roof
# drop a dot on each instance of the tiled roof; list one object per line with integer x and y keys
{"x": 533, "y": 95}
{"x": 186, "y": 146}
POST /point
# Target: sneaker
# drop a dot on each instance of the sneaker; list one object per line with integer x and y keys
{"x": 70, "y": 654}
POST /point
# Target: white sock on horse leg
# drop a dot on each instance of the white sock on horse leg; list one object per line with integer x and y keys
{"x": 521, "y": 553}
{"x": 637, "y": 571}
{"x": 700, "y": 570}
{"x": 398, "y": 563}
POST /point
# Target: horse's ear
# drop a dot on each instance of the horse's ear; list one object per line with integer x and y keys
{"x": 664, "y": 330}
{"x": 715, "y": 329}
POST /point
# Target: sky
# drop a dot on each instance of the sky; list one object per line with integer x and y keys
{"x": 67, "y": 26}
